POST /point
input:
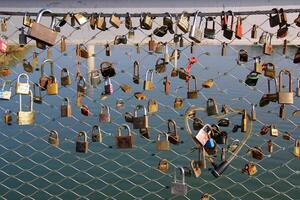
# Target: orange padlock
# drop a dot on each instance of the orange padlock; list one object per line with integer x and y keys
{"x": 239, "y": 28}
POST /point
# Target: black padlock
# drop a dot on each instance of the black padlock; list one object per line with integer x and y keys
{"x": 22, "y": 38}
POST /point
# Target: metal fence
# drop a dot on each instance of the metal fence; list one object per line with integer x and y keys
{"x": 33, "y": 169}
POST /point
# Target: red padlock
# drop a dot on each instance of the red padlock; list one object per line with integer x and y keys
{"x": 3, "y": 45}
{"x": 85, "y": 110}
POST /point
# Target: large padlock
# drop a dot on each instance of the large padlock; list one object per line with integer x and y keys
{"x": 5, "y": 93}
{"x": 162, "y": 145}
{"x": 52, "y": 86}
{"x": 26, "y": 117}
{"x": 192, "y": 93}
{"x": 65, "y": 78}
{"x": 124, "y": 141}
{"x": 274, "y": 19}
{"x": 66, "y": 108}
{"x": 95, "y": 78}
{"x": 195, "y": 32}
{"x": 115, "y": 20}
{"x": 45, "y": 78}
{"x": 53, "y": 138}
{"x": 140, "y": 121}
{"x": 148, "y": 83}
{"x": 228, "y": 31}
{"x": 243, "y": 55}
{"x": 297, "y": 148}
{"x": 239, "y": 28}
{"x": 39, "y": 32}
{"x": 163, "y": 165}
{"x": 258, "y": 68}
{"x": 81, "y": 86}
{"x": 146, "y": 21}
{"x": 269, "y": 70}
{"x": 108, "y": 87}
{"x": 136, "y": 72}
{"x": 107, "y": 69}
{"x": 178, "y": 103}
{"x": 96, "y": 134}
{"x": 152, "y": 106}
{"x": 82, "y": 146}
{"x": 22, "y": 88}
{"x": 37, "y": 96}
{"x": 209, "y": 32}
{"x": 183, "y": 22}
{"x": 167, "y": 85}
{"x": 160, "y": 66}
{"x": 211, "y": 107}
{"x": 268, "y": 48}
{"x": 179, "y": 188}
{"x": 104, "y": 115}
{"x": 298, "y": 88}
{"x": 100, "y": 22}
{"x": 173, "y": 135}
{"x": 285, "y": 97}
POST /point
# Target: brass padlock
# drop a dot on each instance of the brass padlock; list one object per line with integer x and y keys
{"x": 146, "y": 21}
{"x": 93, "y": 19}
{"x": 26, "y": 20}
{"x": 82, "y": 146}
{"x": 297, "y": 148}
{"x": 81, "y": 86}
{"x": 244, "y": 121}
{"x": 126, "y": 141}
{"x": 3, "y": 24}
{"x": 160, "y": 66}
{"x": 257, "y": 153}
{"x": 162, "y": 145}
{"x": 167, "y": 85}
{"x": 53, "y": 138}
{"x": 253, "y": 113}
{"x": 283, "y": 96}
{"x": 52, "y": 86}
{"x": 65, "y": 77}
{"x": 101, "y": 23}
{"x": 167, "y": 21}
{"x": 27, "y": 66}
{"x": 126, "y": 88}
{"x": 270, "y": 146}
{"x": 81, "y": 50}
{"x": 140, "y": 121}
{"x": 274, "y": 131}
{"x": 250, "y": 169}
{"x": 258, "y": 67}
{"x": 263, "y": 38}
{"x": 152, "y": 106}
{"x": 211, "y": 107}
{"x": 44, "y": 79}
{"x": 80, "y": 18}
{"x": 63, "y": 46}
{"x": 298, "y": 88}
{"x": 152, "y": 44}
{"x": 145, "y": 132}
{"x": 136, "y": 72}
{"x": 66, "y": 108}
{"x": 115, "y": 20}
{"x": 37, "y": 98}
{"x": 178, "y": 103}
{"x": 96, "y": 134}
{"x": 120, "y": 104}
{"x": 35, "y": 59}
{"x": 192, "y": 94}
{"x": 183, "y": 22}
{"x": 269, "y": 70}
{"x": 22, "y": 87}
{"x": 148, "y": 83}
{"x": 140, "y": 96}
{"x": 196, "y": 168}
{"x": 173, "y": 135}
{"x": 26, "y": 117}
{"x": 163, "y": 165}
{"x": 7, "y": 117}
{"x": 208, "y": 83}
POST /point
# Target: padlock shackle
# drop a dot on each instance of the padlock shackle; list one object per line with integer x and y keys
{"x": 285, "y": 71}
{"x": 107, "y": 81}
{"x": 182, "y": 171}
{"x": 160, "y": 59}
{"x": 195, "y": 20}
{"x": 108, "y": 63}
{"x": 66, "y": 100}
{"x": 232, "y": 18}
{"x": 80, "y": 134}
{"x": 4, "y": 84}
{"x": 195, "y": 83}
{"x": 81, "y": 79}
{"x": 96, "y": 128}
{"x": 269, "y": 85}
{"x": 35, "y": 85}
{"x": 162, "y": 133}
{"x": 31, "y": 102}
{"x": 151, "y": 75}
{"x": 51, "y": 66}
{"x": 139, "y": 107}
{"x": 209, "y": 101}
{"x": 207, "y": 19}
{"x": 105, "y": 109}
{"x": 63, "y": 71}
{"x": 136, "y": 69}
{"x": 53, "y": 133}
{"x": 275, "y": 12}
{"x": 172, "y": 122}
{"x": 23, "y": 75}
{"x": 152, "y": 101}
{"x": 40, "y": 14}
{"x": 124, "y": 126}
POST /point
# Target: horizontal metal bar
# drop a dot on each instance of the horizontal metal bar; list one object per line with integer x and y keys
{"x": 203, "y": 14}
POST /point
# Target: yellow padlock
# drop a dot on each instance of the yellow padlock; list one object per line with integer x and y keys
{"x": 52, "y": 86}
{"x": 297, "y": 148}
{"x": 152, "y": 106}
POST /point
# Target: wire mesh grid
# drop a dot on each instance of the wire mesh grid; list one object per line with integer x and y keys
{"x": 32, "y": 169}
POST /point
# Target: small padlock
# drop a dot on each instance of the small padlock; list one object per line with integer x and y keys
{"x": 197, "y": 124}
{"x": 37, "y": 98}
{"x": 178, "y": 103}
{"x": 104, "y": 115}
{"x": 282, "y": 114}
{"x": 120, "y": 104}
{"x": 298, "y": 88}
{"x": 82, "y": 146}
{"x": 22, "y": 38}
{"x": 95, "y": 77}
{"x": 65, "y": 77}
{"x": 179, "y": 187}
{"x": 243, "y": 55}
{"x": 183, "y": 22}
{"x": 44, "y": 79}
{"x": 162, "y": 145}
{"x": 152, "y": 106}
{"x": 196, "y": 168}
{"x": 173, "y": 135}
{"x": 107, "y": 49}
{"x": 52, "y": 86}
{"x": 66, "y": 108}
{"x": 63, "y": 46}
{"x": 297, "y": 148}
{"x": 192, "y": 93}
{"x": 270, "y": 146}
{"x": 167, "y": 85}
{"x": 254, "y": 31}
{"x": 136, "y": 72}
{"x": 203, "y": 135}
{"x": 140, "y": 121}
{"x": 26, "y": 20}
{"x": 223, "y": 154}
{"x": 84, "y": 109}
{"x": 81, "y": 86}
{"x": 269, "y": 70}
{"x": 285, "y": 97}
{"x": 126, "y": 141}
{"x": 148, "y": 83}
{"x": 268, "y": 49}
{"x": 257, "y": 153}
{"x": 101, "y": 23}
{"x": 96, "y": 134}
{"x": 152, "y": 44}
{"x": 22, "y": 87}
{"x": 145, "y": 132}
{"x": 7, "y": 118}
{"x": 244, "y": 121}
{"x": 250, "y": 169}
{"x": 163, "y": 165}
{"x": 3, "y": 24}
{"x": 108, "y": 87}
{"x": 274, "y": 131}
{"x": 263, "y": 38}
{"x": 258, "y": 68}
{"x": 146, "y": 21}
{"x": 224, "y": 49}
{"x": 211, "y": 107}
{"x": 253, "y": 113}
{"x": 285, "y": 47}
{"x": 53, "y": 138}
{"x": 275, "y": 19}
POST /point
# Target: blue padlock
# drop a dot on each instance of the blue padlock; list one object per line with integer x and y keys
{"x": 210, "y": 143}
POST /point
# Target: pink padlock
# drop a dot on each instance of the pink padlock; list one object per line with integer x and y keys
{"x": 3, "y": 45}
{"x": 108, "y": 87}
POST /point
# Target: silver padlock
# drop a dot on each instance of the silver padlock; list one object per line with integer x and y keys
{"x": 195, "y": 33}
{"x": 179, "y": 187}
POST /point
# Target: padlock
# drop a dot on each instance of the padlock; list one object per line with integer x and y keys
{"x": 53, "y": 138}
{"x": 167, "y": 85}
{"x": 140, "y": 96}
{"x": 107, "y": 69}
{"x": 44, "y": 79}
{"x": 209, "y": 33}
{"x": 252, "y": 78}
{"x": 82, "y": 146}
{"x": 22, "y": 38}
{"x": 81, "y": 50}
{"x": 161, "y": 31}
{"x": 258, "y": 68}
{"x": 233, "y": 146}
{"x": 285, "y": 47}
{"x": 65, "y": 77}
{"x": 163, "y": 165}
{"x": 197, "y": 124}
{"x": 160, "y": 66}
{"x": 66, "y": 108}
{"x": 174, "y": 72}
{"x": 208, "y": 83}
{"x": 81, "y": 86}
{"x": 128, "y": 117}
{"x": 128, "y": 21}
{"x": 136, "y": 72}
{"x": 108, "y": 86}
{"x": 35, "y": 59}
{"x": 195, "y": 32}
{"x": 72, "y": 20}
{"x": 225, "y": 109}
{"x": 120, "y": 39}
{"x": 124, "y": 141}
{"x": 243, "y": 55}
{"x": 131, "y": 34}
{"x": 152, "y": 106}
{"x": 108, "y": 49}
{"x": 27, "y": 66}
{"x": 244, "y": 121}
{"x": 138, "y": 49}
{"x": 166, "y": 54}
{"x": 37, "y": 96}
{"x": 148, "y": 83}
{"x": 80, "y": 18}
{"x": 115, "y": 20}
{"x": 270, "y": 146}
{"x": 183, "y": 22}
{"x": 159, "y": 48}
{"x": 202, "y": 160}
{"x": 274, "y": 19}
{"x": 239, "y": 28}
{"x": 268, "y": 49}
{"x": 297, "y": 57}
{"x": 286, "y": 136}
{"x": 63, "y": 46}
{"x": 253, "y": 113}
{"x": 205, "y": 196}
{"x": 7, "y": 117}
{"x": 100, "y": 22}
{"x": 84, "y": 109}
{"x": 224, "y": 20}
{"x": 5, "y": 94}
{"x": 203, "y": 135}
{"x": 120, "y": 104}
{"x": 263, "y": 38}
{"x": 269, "y": 70}
{"x": 152, "y": 44}
{"x": 179, "y": 188}
{"x": 22, "y": 88}
{"x": 196, "y": 168}
{"x": 26, "y": 117}
{"x": 224, "y": 49}
{"x": 211, "y": 107}
{"x": 146, "y": 21}
{"x": 92, "y": 20}
{"x": 140, "y": 121}
{"x": 126, "y": 88}
{"x": 250, "y": 169}
{"x": 257, "y": 153}
{"x": 95, "y": 78}
{"x": 221, "y": 137}
{"x": 282, "y": 113}
{"x": 298, "y": 88}
{"x": 96, "y": 134}
{"x": 41, "y": 33}
{"x": 162, "y": 145}
{"x": 228, "y": 31}
{"x": 274, "y": 131}
{"x": 26, "y": 20}
{"x": 297, "y": 148}
{"x": 254, "y": 31}
{"x": 265, "y": 130}
{"x": 192, "y": 48}
{"x": 224, "y": 122}
{"x": 5, "y": 71}
{"x": 285, "y": 97}
{"x": 192, "y": 93}
{"x": 178, "y": 103}
{"x": 223, "y": 154}
{"x": 173, "y": 135}
{"x": 52, "y": 86}
{"x": 104, "y": 115}
{"x": 168, "y": 21}
{"x": 49, "y": 53}
{"x": 282, "y": 31}
{"x": 283, "y": 17}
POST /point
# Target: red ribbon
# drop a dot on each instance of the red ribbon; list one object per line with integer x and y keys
{"x": 192, "y": 61}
